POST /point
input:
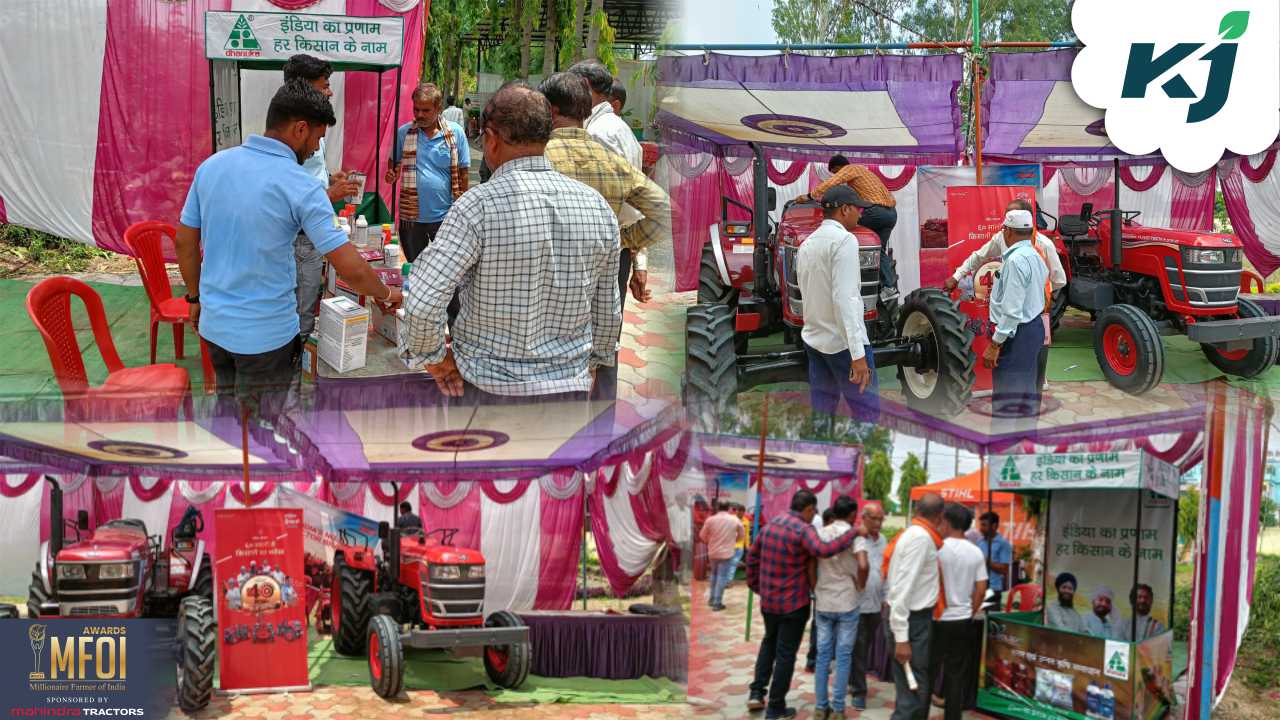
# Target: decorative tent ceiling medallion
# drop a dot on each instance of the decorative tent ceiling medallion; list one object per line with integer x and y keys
{"x": 769, "y": 459}
{"x": 137, "y": 450}
{"x": 450, "y": 441}
{"x": 796, "y": 126}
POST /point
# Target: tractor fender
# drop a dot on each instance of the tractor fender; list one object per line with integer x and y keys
{"x": 195, "y": 565}
{"x": 46, "y": 567}
{"x": 718, "y": 251}
{"x": 358, "y": 559}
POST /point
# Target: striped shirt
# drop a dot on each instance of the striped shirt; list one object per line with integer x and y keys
{"x": 777, "y": 561}
{"x": 534, "y": 257}
{"x": 863, "y": 181}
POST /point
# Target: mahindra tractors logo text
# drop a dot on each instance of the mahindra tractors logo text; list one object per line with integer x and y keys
{"x": 1199, "y": 76}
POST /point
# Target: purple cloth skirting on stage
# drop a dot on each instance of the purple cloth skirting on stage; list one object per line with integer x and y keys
{"x": 613, "y": 647}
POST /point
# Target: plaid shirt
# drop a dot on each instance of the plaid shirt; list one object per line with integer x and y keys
{"x": 573, "y": 152}
{"x": 863, "y": 181}
{"x": 777, "y": 559}
{"x": 534, "y": 256}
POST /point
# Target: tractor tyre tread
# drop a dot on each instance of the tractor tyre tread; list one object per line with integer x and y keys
{"x": 519, "y": 655}
{"x": 197, "y": 648}
{"x": 356, "y": 589}
{"x": 390, "y": 657}
{"x": 36, "y": 596}
{"x": 1259, "y": 359}
{"x": 956, "y": 358}
{"x": 711, "y": 287}
{"x": 1150, "y": 363}
{"x": 711, "y": 365}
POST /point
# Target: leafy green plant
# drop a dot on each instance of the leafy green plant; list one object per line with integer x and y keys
{"x": 911, "y": 475}
{"x": 877, "y": 478}
{"x": 24, "y": 251}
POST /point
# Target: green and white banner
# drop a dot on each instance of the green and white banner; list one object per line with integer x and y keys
{"x": 275, "y": 37}
{"x": 1063, "y": 471}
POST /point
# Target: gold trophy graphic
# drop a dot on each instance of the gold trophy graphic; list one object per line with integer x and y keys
{"x": 36, "y": 634}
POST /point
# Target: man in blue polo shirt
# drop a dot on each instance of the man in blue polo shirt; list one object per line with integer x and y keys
{"x": 245, "y": 207}
{"x": 997, "y": 550}
{"x": 437, "y": 152}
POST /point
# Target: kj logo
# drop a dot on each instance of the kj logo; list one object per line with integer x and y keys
{"x": 1199, "y": 76}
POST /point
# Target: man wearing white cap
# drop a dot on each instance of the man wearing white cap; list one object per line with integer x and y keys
{"x": 1017, "y": 302}
{"x": 1100, "y": 624}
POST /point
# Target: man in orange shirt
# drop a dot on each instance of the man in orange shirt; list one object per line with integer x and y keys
{"x": 879, "y": 218}
{"x": 721, "y": 532}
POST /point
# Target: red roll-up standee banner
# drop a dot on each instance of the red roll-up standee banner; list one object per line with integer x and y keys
{"x": 259, "y": 586}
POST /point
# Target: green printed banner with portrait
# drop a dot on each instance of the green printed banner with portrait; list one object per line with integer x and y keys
{"x": 1096, "y": 536}
{"x": 1073, "y": 471}
{"x": 374, "y": 42}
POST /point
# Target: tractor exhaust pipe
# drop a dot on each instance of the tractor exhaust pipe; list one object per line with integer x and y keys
{"x": 1117, "y": 218}
{"x": 393, "y": 534}
{"x": 760, "y": 220}
{"x": 57, "y": 527}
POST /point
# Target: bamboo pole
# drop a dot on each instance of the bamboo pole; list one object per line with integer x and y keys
{"x": 755, "y": 523}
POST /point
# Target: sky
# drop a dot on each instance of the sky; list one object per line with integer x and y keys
{"x": 723, "y": 21}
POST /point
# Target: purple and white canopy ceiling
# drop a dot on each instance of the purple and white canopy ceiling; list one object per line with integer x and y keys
{"x": 872, "y": 104}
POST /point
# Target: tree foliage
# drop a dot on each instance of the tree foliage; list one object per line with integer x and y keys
{"x": 1267, "y": 510}
{"x": 910, "y": 475}
{"x": 1188, "y": 516}
{"x": 877, "y": 477}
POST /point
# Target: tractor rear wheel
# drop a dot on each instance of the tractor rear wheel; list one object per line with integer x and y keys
{"x": 197, "y": 643}
{"x": 386, "y": 656}
{"x": 204, "y": 581}
{"x": 351, "y": 593}
{"x": 711, "y": 287}
{"x": 1057, "y": 309}
{"x": 36, "y": 596}
{"x": 1129, "y": 349}
{"x": 506, "y": 665}
{"x": 711, "y": 363}
{"x": 945, "y": 384}
{"x": 1245, "y": 363}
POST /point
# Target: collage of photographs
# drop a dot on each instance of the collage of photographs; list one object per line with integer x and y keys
{"x": 817, "y": 359}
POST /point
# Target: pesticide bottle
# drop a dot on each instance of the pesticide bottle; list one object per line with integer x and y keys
{"x": 1091, "y": 700}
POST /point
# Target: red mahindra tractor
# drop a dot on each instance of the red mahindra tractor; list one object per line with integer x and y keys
{"x": 747, "y": 288}
{"x": 1159, "y": 281}
{"x": 421, "y": 592}
{"x": 117, "y": 570}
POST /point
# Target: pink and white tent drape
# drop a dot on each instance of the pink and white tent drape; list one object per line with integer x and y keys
{"x": 141, "y": 122}
{"x": 1226, "y": 542}
{"x": 1251, "y": 191}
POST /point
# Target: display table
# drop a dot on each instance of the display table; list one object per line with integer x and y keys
{"x": 381, "y": 361}
{"x": 609, "y": 646}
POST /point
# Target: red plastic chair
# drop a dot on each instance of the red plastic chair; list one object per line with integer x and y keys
{"x": 146, "y": 241}
{"x": 1024, "y": 598}
{"x": 1250, "y": 280}
{"x": 152, "y": 392}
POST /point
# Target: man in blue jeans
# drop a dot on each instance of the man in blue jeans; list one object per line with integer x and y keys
{"x": 836, "y": 600}
{"x": 835, "y": 334}
{"x": 721, "y": 532}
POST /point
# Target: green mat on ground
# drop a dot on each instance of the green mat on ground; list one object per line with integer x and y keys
{"x": 439, "y": 671}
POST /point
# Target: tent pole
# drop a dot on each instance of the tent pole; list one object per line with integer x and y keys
{"x": 377, "y": 135}
{"x": 585, "y": 529}
{"x": 1044, "y": 569}
{"x": 1137, "y": 555}
{"x": 213, "y": 113}
{"x": 755, "y": 523}
{"x": 244, "y": 452}
{"x": 977, "y": 117}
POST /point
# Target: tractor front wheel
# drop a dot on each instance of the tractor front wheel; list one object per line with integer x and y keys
{"x": 350, "y": 596}
{"x": 944, "y": 384}
{"x": 197, "y": 643}
{"x": 386, "y": 657}
{"x": 1057, "y": 309}
{"x": 711, "y": 363}
{"x": 1128, "y": 347}
{"x": 506, "y": 665}
{"x": 1249, "y": 362}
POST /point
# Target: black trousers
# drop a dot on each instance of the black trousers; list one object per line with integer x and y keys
{"x": 624, "y": 276}
{"x": 776, "y": 661}
{"x": 260, "y": 381}
{"x": 881, "y": 221}
{"x": 1016, "y": 378}
{"x": 951, "y": 650}
{"x": 415, "y": 237}
{"x": 811, "y": 660}
{"x": 910, "y": 705}
{"x": 868, "y": 626}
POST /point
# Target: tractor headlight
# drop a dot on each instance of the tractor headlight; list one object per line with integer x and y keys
{"x": 71, "y": 572}
{"x": 869, "y": 259}
{"x": 1198, "y": 256}
{"x": 446, "y": 572}
{"x": 115, "y": 571}
{"x": 475, "y": 571}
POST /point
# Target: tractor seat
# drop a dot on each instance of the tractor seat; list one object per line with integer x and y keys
{"x": 1072, "y": 226}
{"x": 128, "y": 524}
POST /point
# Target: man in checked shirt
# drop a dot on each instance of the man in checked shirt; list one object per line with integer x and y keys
{"x": 776, "y": 571}
{"x": 534, "y": 256}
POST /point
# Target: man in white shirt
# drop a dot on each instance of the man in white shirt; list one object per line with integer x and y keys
{"x": 1017, "y": 302}
{"x": 836, "y": 600}
{"x": 1141, "y": 625}
{"x": 869, "y": 552}
{"x": 1101, "y": 623}
{"x": 955, "y": 639}
{"x": 613, "y": 132}
{"x": 912, "y": 582}
{"x": 1062, "y": 614}
{"x": 835, "y": 334}
{"x": 452, "y": 113}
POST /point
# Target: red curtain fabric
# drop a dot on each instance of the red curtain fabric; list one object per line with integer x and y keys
{"x": 560, "y": 546}
{"x": 1131, "y": 182}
